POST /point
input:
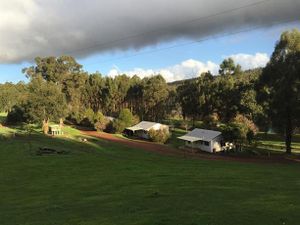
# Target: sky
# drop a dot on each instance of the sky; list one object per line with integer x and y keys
{"x": 179, "y": 39}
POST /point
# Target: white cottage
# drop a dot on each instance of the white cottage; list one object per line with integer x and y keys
{"x": 142, "y": 129}
{"x": 205, "y": 140}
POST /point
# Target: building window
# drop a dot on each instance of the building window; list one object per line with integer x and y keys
{"x": 206, "y": 143}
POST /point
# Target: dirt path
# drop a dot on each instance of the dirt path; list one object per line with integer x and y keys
{"x": 166, "y": 150}
{"x": 148, "y": 146}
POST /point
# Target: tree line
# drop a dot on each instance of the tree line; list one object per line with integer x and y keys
{"x": 245, "y": 101}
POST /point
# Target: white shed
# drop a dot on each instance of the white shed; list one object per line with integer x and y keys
{"x": 205, "y": 140}
{"x": 142, "y": 129}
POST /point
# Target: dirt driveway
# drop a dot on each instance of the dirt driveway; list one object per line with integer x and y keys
{"x": 166, "y": 150}
{"x": 148, "y": 146}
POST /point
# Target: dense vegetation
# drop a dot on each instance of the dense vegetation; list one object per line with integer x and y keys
{"x": 262, "y": 98}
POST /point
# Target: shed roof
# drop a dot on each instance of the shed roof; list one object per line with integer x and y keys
{"x": 200, "y": 135}
{"x": 189, "y": 138}
{"x": 144, "y": 125}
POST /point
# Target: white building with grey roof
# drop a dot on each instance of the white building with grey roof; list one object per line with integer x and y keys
{"x": 205, "y": 140}
{"x": 142, "y": 129}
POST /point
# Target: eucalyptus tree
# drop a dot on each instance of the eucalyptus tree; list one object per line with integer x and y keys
{"x": 155, "y": 93}
{"x": 45, "y": 102}
{"x": 229, "y": 67}
{"x": 280, "y": 85}
{"x": 67, "y": 75}
{"x": 189, "y": 99}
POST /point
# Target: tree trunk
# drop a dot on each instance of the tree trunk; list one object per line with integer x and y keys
{"x": 45, "y": 126}
{"x": 288, "y": 135}
{"x": 61, "y": 122}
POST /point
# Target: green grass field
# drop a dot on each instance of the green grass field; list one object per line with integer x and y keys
{"x": 275, "y": 142}
{"x": 104, "y": 183}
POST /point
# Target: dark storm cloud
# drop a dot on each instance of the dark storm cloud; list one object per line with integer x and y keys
{"x": 83, "y": 27}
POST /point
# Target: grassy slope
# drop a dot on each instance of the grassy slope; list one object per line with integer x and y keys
{"x": 4, "y": 131}
{"x": 105, "y": 183}
{"x": 276, "y": 142}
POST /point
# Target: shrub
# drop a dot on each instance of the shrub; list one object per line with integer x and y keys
{"x": 240, "y": 130}
{"x": 159, "y": 136}
{"x": 125, "y": 119}
{"x": 96, "y": 120}
{"x": 252, "y": 129}
{"x": 119, "y": 126}
{"x": 16, "y": 115}
{"x": 249, "y": 123}
{"x": 110, "y": 127}
{"x": 88, "y": 119}
{"x": 100, "y": 122}
{"x": 211, "y": 121}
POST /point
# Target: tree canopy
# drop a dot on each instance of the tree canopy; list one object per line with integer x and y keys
{"x": 280, "y": 86}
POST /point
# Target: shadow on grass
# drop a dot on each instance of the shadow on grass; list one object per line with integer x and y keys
{"x": 2, "y": 119}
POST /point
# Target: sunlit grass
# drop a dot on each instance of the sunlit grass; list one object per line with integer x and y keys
{"x": 100, "y": 182}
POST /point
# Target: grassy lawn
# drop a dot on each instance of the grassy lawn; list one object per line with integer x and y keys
{"x": 275, "y": 142}
{"x": 104, "y": 183}
{"x": 4, "y": 131}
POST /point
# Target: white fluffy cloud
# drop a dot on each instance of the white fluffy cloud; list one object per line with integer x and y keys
{"x": 251, "y": 61}
{"x": 192, "y": 68}
{"x": 31, "y": 28}
{"x": 185, "y": 70}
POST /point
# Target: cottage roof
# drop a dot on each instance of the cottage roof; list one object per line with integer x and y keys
{"x": 200, "y": 135}
{"x": 144, "y": 125}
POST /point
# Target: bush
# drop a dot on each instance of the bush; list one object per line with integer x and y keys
{"x": 100, "y": 122}
{"x": 119, "y": 126}
{"x": 125, "y": 119}
{"x": 96, "y": 120}
{"x": 240, "y": 130}
{"x": 88, "y": 120}
{"x": 16, "y": 115}
{"x": 159, "y": 136}
{"x": 211, "y": 121}
{"x": 252, "y": 129}
{"x": 249, "y": 123}
{"x": 110, "y": 127}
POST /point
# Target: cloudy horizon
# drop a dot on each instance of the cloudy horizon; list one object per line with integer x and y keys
{"x": 192, "y": 68}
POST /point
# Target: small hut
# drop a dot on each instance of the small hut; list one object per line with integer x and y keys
{"x": 142, "y": 129}
{"x": 55, "y": 130}
{"x": 205, "y": 140}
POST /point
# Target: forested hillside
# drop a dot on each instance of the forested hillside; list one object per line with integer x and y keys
{"x": 60, "y": 88}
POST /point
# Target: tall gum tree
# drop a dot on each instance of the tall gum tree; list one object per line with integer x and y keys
{"x": 280, "y": 84}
